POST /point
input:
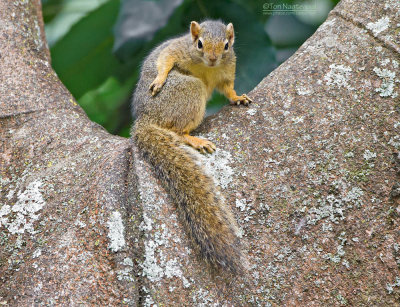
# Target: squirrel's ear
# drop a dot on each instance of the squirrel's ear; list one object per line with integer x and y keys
{"x": 230, "y": 32}
{"x": 194, "y": 30}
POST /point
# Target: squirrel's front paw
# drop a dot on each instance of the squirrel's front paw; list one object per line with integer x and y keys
{"x": 244, "y": 99}
{"x": 156, "y": 86}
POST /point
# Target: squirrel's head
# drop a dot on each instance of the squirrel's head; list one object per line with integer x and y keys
{"x": 213, "y": 40}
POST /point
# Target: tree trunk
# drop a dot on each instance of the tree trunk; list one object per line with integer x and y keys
{"x": 310, "y": 170}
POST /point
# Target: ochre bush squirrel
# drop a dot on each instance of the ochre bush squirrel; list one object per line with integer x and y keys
{"x": 176, "y": 80}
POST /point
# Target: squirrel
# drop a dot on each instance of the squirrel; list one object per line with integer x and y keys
{"x": 177, "y": 78}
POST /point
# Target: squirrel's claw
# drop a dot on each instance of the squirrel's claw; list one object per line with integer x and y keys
{"x": 201, "y": 145}
{"x": 210, "y": 147}
{"x": 155, "y": 87}
{"x": 243, "y": 99}
{"x": 206, "y": 146}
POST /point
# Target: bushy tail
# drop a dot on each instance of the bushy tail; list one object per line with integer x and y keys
{"x": 208, "y": 221}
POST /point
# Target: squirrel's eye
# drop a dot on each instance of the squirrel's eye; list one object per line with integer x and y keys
{"x": 226, "y": 46}
{"x": 199, "y": 44}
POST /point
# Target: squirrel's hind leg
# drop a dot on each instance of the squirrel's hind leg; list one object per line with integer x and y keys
{"x": 201, "y": 145}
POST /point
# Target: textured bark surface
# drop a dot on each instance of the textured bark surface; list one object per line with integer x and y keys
{"x": 64, "y": 191}
{"x": 311, "y": 171}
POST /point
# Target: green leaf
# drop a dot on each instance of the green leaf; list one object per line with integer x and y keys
{"x": 106, "y": 105}
{"x": 138, "y": 21}
{"x": 61, "y": 15}
{"x": 50, "y": 9}
{"x": 82, "y": 58}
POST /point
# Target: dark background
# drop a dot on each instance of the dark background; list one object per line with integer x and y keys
{"x": 97, "y": 46}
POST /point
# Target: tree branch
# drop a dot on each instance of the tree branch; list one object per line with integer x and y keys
{"x": 308, "y": 170}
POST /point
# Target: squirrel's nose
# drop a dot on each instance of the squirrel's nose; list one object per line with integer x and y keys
{"x": 212, "y": 58}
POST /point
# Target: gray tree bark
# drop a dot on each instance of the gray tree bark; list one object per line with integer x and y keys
{"x": 310, "y": 170}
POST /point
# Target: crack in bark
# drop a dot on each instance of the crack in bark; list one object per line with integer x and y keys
{"x": 358, "y": 23}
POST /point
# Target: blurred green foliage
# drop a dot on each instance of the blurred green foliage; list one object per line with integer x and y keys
{"x": 97, "y": 46}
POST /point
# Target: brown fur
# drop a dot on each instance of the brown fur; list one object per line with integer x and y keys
{"x": 180, "y": 82}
